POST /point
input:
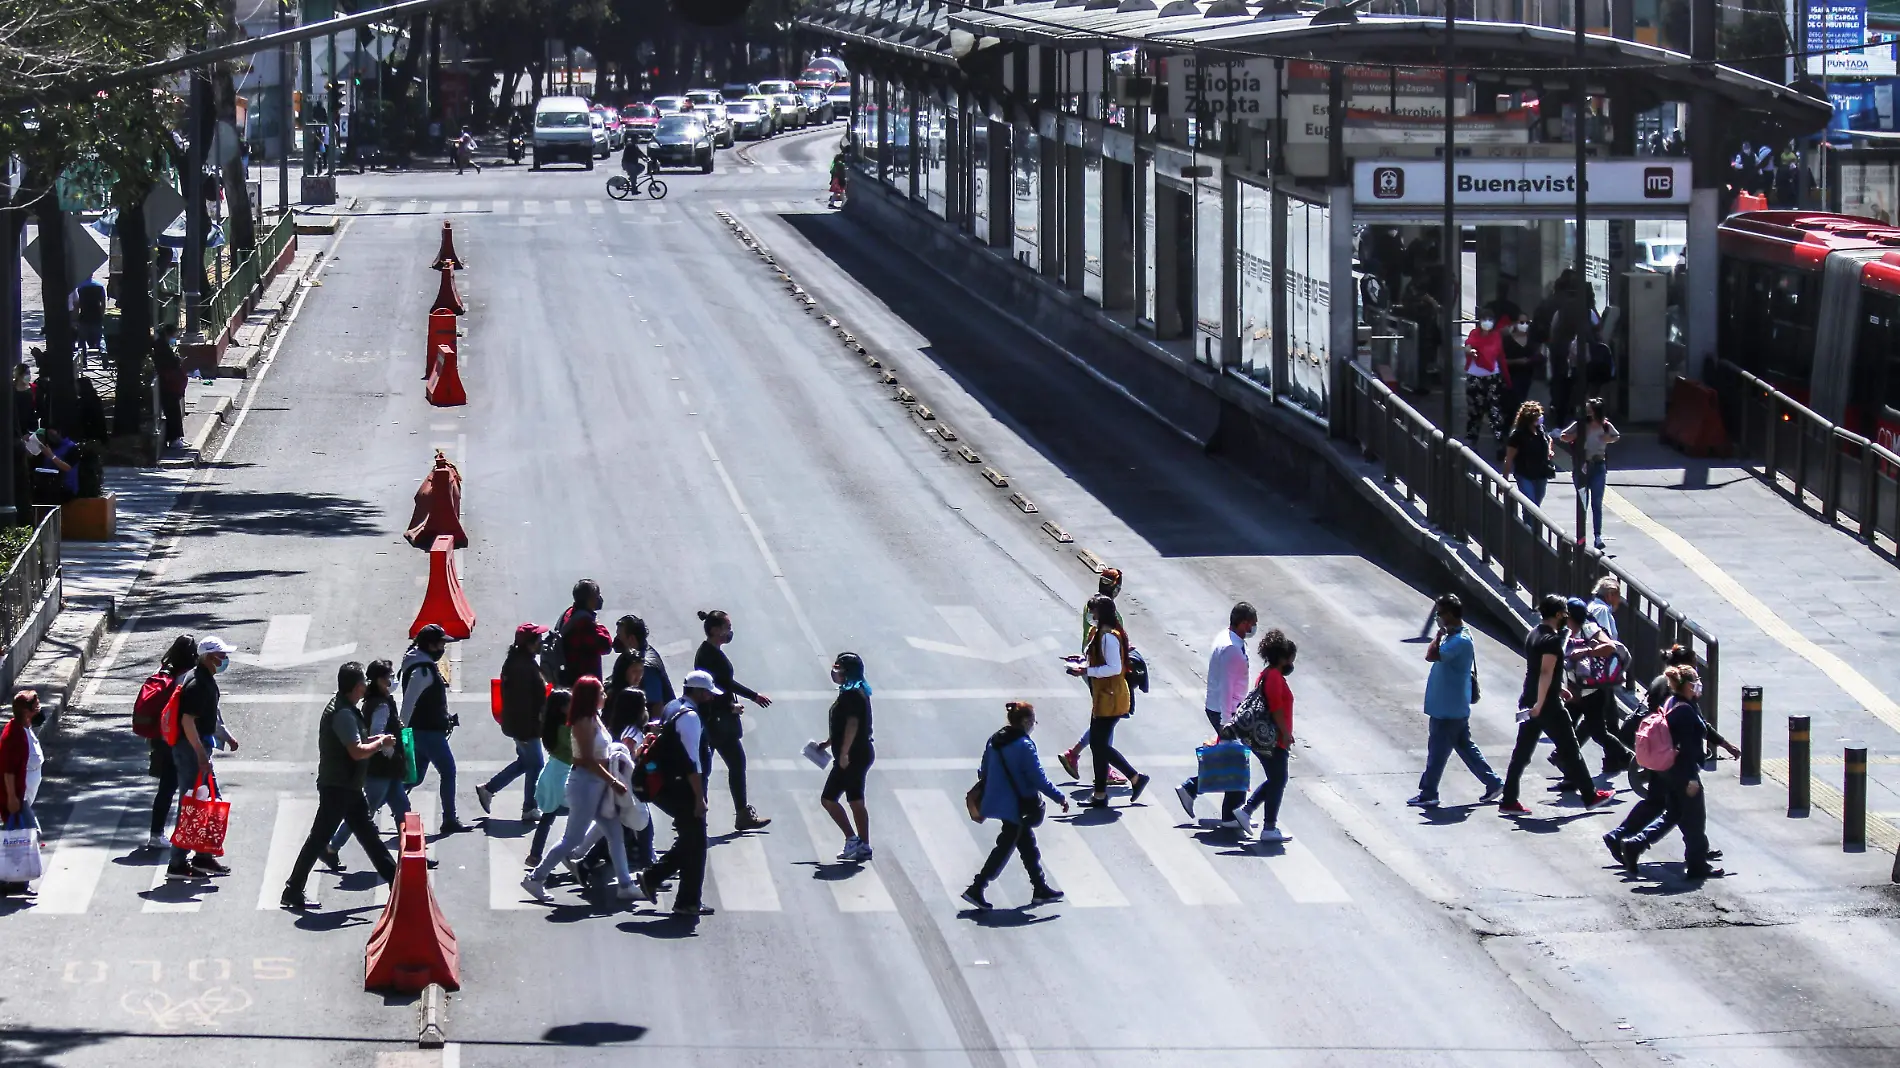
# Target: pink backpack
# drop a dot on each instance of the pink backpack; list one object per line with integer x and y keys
{"x": 1655, "y": 750}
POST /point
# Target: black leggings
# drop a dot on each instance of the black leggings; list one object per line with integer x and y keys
{"x": 732, "y": 750}
{"x": 1018, "y": 838}
{"x": 1102, "y": 748}
{"x": 166, "y": 771}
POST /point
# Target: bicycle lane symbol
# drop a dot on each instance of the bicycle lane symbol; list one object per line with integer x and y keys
{"x": 173, "y": 1014}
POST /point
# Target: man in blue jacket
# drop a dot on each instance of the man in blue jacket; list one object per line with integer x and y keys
{"x": 1013, "y": 785}
{"x": 1448, "y": 696}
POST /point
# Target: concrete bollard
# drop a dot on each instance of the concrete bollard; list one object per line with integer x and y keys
{"x": 1797, "y": 766}
{"x": 1751, "y": 734}
{"x": 1854, "y": 799}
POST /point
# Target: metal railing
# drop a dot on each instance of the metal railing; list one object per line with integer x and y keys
{"x": 230, "y": 298}
{"x": 1527, "y": 552}
{"x": 30, "y": 577}
{"x": 1848, "y": 474}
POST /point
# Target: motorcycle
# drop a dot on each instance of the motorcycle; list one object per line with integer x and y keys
{"x": 517, "y": 147}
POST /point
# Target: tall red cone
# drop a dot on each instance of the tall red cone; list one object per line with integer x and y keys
{"x": 412, "y": 945}
{"x": 441, "y": 333}
{"x": 446, "y": 299}
{"x": 444, "y": 604}
{"x": 445, "y": 383}
{"x": 438, "y": 509}
{"x": 445, "y": 257}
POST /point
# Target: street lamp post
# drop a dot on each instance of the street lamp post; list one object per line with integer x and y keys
{"x": 284, "y": 125}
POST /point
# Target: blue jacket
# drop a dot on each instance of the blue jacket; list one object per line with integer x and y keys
{"x": 1008, "y": 767}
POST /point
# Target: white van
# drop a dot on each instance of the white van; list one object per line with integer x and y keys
{"x": 564, "y": 130}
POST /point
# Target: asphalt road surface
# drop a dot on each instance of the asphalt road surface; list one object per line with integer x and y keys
{"x": 649, "y": 407}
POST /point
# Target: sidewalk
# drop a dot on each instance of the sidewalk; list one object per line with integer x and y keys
{"x": 1801, "y": 609}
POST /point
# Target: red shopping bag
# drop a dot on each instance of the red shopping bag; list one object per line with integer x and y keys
{"x": 202, "y": 821}
{"x": 494, "y": 698}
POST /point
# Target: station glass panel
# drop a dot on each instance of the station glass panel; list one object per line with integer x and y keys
{"x": 1309, "y": 305}
{"x": 1210, "y": 268}
{"x": 1092, "y": 220}
{"x": 1025, "y": 181}
{"x": 1256, "y": 282}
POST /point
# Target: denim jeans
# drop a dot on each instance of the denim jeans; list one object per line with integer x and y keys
{"x": 186, "y": 759}
{"x": 376, "y": 792}
{"x": 1596, "y": 477}
{"x": 1449, "y": 736}
{"x": 584, "y": 790}
{"x": 1533, "y": 488}
{"x": 1266, "y": 797}
{"x": 528, "y": 762}
{"x": 432, "y": 747}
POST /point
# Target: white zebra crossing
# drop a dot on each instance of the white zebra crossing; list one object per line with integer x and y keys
{"x": 1075, "y": 869}
{"x": 742, "y": 877}
{"x": 1179, "y": 858}
{"x": 861, "y": 890}
{"x": 943, "y": 833}
{"x": 294, "y": 817}
{"x": 74, "y": 868}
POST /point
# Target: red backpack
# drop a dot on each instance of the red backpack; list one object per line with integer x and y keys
{"x": 148, "y": 710}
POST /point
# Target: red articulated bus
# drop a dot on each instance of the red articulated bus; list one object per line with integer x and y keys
{"x": 1810, "y": 303}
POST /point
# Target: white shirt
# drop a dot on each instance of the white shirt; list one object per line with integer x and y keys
{"x": 689, "y": 729}
{"x": 1111, "y": 664}
{"x": 1227, "y": 672}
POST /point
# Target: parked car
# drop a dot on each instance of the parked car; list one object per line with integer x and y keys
{"x": 718, "y": 122}
{"x": 738, "y": 90}
{"x": 610, "y": 118}
{"x": 840, "y": 94}
{"x": 640, "y": 120}
{"x": 564, "y": 130}
{"x": 793, "y": 108}
{"x": 749, "y": 119}
{"x": 603, "y": 144}
{"x": 668, "y": 105}
{"x": 817, "y": 105}
{"x": 773, "y": 121}
{"x": 683, "y": 141}
{"x": 704, "y": 96}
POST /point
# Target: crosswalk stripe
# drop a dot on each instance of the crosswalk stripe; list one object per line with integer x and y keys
{"x": 75, "y": 867}
{"x": 741, "y": 876}
{"x": 563, "y": 207}
{"x": 783, "y": 206}
{"x": 438, "y": 207}
{"x": 501, "y": 207}
{"x": 294, "y": 817}
{"x": 854, "y": 891}
{"x": 507, "y": 863}
{"x": 531, "y": 207}
{"x": 594, "y": 208}
{"x": 1085, "y": 883}
{"x": 1179, "y": 858}
{"x": 471, "y": 205}
{"x": 407, "y": 222}
{"x": 185, "y": 900}
{"x": 1304, "y": 878}
{"x": 751, "y": 207}
{"x": 940, "y": 830}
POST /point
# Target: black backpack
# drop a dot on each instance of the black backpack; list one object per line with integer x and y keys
{"x": 553, "y": 655}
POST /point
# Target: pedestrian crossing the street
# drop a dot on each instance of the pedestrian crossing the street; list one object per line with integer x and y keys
{"x": 1132, "y": 857}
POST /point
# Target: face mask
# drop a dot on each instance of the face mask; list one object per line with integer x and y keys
{"x": 1487, "y": 324}
{"x": 218, "y": 668}
{"x": 436, "y": 654}
{"x": 1286, "y": 669}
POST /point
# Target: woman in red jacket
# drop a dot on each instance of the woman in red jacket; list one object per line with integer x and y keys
{"x": 20, "y": 760}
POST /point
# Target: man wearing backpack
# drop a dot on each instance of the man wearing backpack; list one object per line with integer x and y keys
{"x": 523, "y": 696}
{"x": 425, "y": 711}
{"x": 1540, "y": 711}
{"x": 677, "y": 760}
{"x": 200, "y": 729}
{"x": 1592, "y": 670}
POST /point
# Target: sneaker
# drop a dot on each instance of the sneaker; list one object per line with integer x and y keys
{"x": 331, "y": 859}
{"x": 850, "y": 850}
{"x": 1243, "y": 821}
{"x": 628, "y": 891}
{"x": 1513, "y": 808}
{"x": 649, "y": 886}
{"x": 1421, "y": 801}
{"x": 1632, "y": 856}
{"x": 294, "y": 900}
{"x": 484, "y": 797}
{"x": 209, "y": 865}
{"x": 533, "y": 861}
{"x": 692, "y": 911}
{"x": 1274, "y": 834}
{"x": 1115, "y": 778}
{"x": 1601, "y": 798}
{"x": 1599, "y": 544}
{"x": 974, "y": 897}
{"x": 1045, "y": 895}
{"x": 176, "y": 873}
{"x": 1615, "y": 845}
{"x": 749, "y": 820}
{"x": 1135, "y": 789}
{"x": 1069, "y": 768}
{"x": 863, "y": 854}
{"x": 535, "y": 887}
{"x": 1491, "y": 795}
{"x": 531, "y": 815}
{"x": 1186, "y": 797}
{"x": 451, "y": 825}
{"x": 1699, "y": 874}
{"x": 1096, "y": 802}
{"x": 1712, "y": 855}
{"x": 156, "y": 841}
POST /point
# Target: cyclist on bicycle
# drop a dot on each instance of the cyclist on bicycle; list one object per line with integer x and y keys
{"x": 635, "y": 161}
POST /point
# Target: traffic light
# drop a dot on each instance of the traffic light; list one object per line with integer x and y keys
{"x": 710, "y": 12}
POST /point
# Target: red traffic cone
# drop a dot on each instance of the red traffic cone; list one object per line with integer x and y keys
{"x": 445, "y": 257}
{"x": 438, "y": 509}
{"x": 446, "y": 299}
{"x": 444, "y": 604}
{"x": 445, "y": 383}
{"x": 412, "y": 945}
{"x": 441, "y": 333}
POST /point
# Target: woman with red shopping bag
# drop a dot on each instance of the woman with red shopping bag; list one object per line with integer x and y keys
{"x": 20, "y": 761}
{"x": 200, "y": 730}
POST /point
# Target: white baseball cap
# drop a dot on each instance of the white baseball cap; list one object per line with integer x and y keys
{"x": 701, "y": 680}
{"x": 211, "y": 643}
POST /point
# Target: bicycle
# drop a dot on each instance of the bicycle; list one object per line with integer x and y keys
{"x": 620, "y": 187}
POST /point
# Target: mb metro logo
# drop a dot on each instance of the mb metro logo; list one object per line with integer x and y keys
{"x": 1388, "y": 183}
{"x": 1659, "y": 183}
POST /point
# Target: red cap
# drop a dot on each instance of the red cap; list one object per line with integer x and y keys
{"x": 529, "y": 630}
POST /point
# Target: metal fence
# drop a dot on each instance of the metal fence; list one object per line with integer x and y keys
{"x": 1466, "y": 499}
{"x": 1849, "y": 475}
{"x": 30, "y": 577}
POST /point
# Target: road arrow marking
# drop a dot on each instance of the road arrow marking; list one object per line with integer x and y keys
{"x": 283, "y": 646}
{"x": 980, "y": 640}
